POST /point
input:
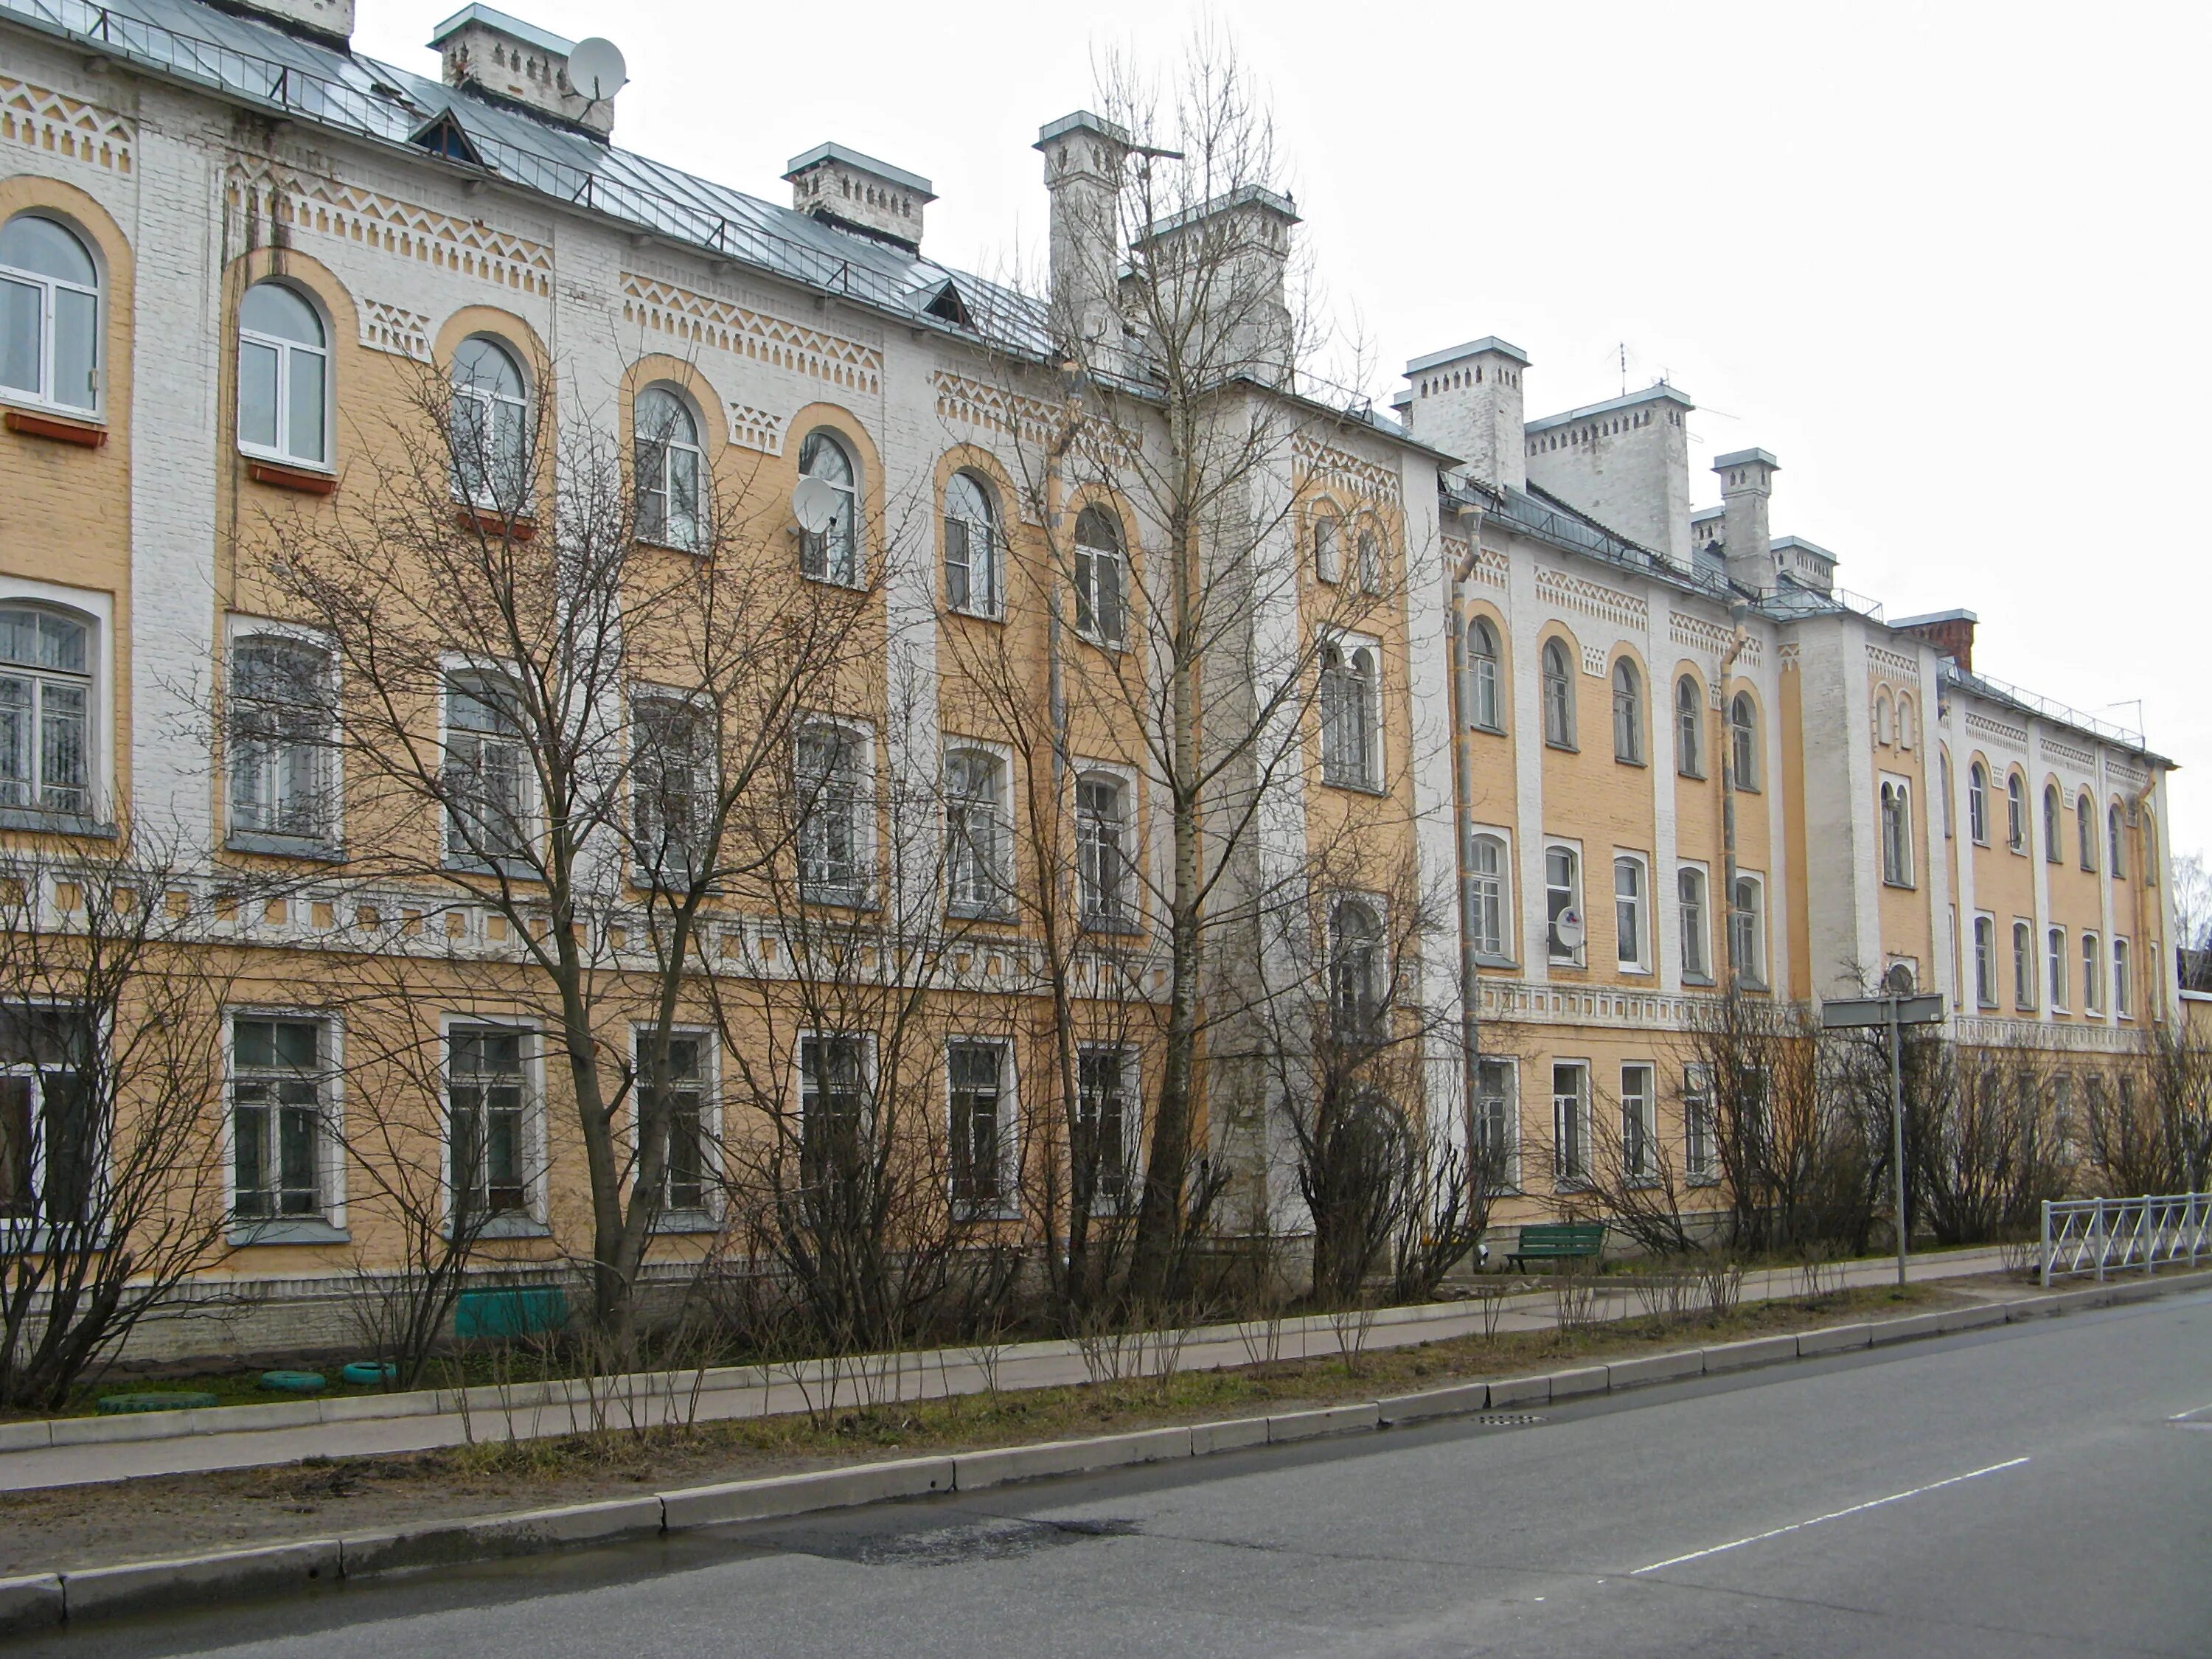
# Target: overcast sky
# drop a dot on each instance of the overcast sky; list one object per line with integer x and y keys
{"x": 1946, "y": 261}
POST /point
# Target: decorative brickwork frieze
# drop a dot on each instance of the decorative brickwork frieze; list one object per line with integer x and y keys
{"x": 32, "y": 118}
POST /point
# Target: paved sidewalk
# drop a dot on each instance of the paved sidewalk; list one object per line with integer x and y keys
{"x": 750, "y": 1392}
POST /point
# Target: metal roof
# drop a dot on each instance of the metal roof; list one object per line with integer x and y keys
{"x": 258, "y": 64}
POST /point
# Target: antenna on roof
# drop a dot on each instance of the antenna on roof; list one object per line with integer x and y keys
{"x": 596, "y": 68}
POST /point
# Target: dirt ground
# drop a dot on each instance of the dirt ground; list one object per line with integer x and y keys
{"x": 79, "y": 1527}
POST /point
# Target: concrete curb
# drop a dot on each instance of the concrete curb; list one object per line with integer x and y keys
{"x": 41, "y": 1600}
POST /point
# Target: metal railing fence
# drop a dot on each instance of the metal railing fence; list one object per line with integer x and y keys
{"x": 2103, "y": 1236}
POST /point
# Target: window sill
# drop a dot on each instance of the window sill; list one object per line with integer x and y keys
{"x": 508, "y": 869}
{"x": 1694, "y": 777}
{"x": 1482, "y": 960}
{"x": 658, "y": 545}
{"x": 280, "y": 475}
{"x": 1900, "y": 886}
{"x": 1486, "y": 731}
{"x": 1353, "y": 785}
{"x": 285, "y": 1230}
{"x": 1564, "y": 748}
{"x": 842, "y": 898}
{"x": 1629, "y": 760}
{"x": 55, "y": 823}
{"x": 849, "y": 585}
{"x": 685, "y": 1221}
{"x": 513, "y": 1223}
{"x": 305, "y": 847}
{"x": 968, "y": 613}
{"x": 1113, "y": 927}
{"x": 84, "y": 433}
{"x": 493, "y": 522}
{"x": 979, "y": 912}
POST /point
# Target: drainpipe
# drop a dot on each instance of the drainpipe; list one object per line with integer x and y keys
{"x": 1737, "y": 641}
{"x": 1463, "y": 826}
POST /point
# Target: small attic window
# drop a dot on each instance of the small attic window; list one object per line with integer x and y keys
{"x": 946, "y": 306}
{"x": 442, "y": 134}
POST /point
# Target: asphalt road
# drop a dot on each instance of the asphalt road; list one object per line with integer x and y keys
{"x": 2024, "y": 1491}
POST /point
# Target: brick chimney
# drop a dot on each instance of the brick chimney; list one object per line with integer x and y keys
{"x": 857, "y": 192}
{"x": 1083, "y": 157}
{"x": 1626, "y": 463}
{"x": 1951, "y": 632}
{"x": 1747, "y": 484}
{"x": 521, "y": 63}
{"x": 1467, "y": 401}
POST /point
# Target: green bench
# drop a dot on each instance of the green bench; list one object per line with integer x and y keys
{"x": 510, "y": 1310}
{"x": 1559, "y": 1241}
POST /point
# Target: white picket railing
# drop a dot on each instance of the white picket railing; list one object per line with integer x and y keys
{"x": 2102, "y": 1235}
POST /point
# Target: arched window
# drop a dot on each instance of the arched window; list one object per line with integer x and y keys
{"x": 49, "y": 314}
{"x": 1627, "y": 713}
{"x": 1743, "y": 737}
{"x": 1977, "y": 803}
{"x": 976, "y": 832}
{"x": 832, "y": 781}
{"x": 1558, "y": 696}
{"x": 283, "y": 377}
{"x": 2023, "y": 966}
{"x": 670, "y": 467}
{"x": 1747, "y": 930}
{"x": 832, "y": 554}
{"x": 971, "y": 546}
{"x": 1896, "y": 834}
{"x": 1105, "y": 851}
{"x": 1632, "y": 930}
{"x": 1371, "y": 562}
{"x": 1690, "y": 890}
{"x": 1950, "y": 805}
{"x": 1482, "y": 662}
{"x": 490, "y": 427}
{"x": 46, "y": 712}
{"x": 1905, "y": 733}
{"x": 1883, "y": 720}
{"x": 2016, "y": 813}
{"x": 2085, "y": 829}
{"x": 280, "y": 737}
{"x": 1689, "y": 728}
{"x": 1348, "y": 715}
{"x": 1327, "y": 556}
{"x": 1102, "y": 577}
{"x": 2119, "y": 839}
{"x": 1355, "y": 971}
{"x": 1487, "y": 895}
{"x": 2051, "y": 815}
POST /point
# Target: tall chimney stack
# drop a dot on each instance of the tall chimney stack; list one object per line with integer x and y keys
{"x": 1746, "y": 485}
{"x": 1083, "y": 157}
{"x": 1467, "y": 401}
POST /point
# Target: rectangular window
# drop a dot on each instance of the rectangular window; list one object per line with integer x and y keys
{"x": 487, "y": 1093}
{"x": 1486, "y": 879}
{"x": 1747, "y": 930}
{"x": 672, "y": 787}
{"x": 277, "y": 1117}
{"x": 1985, "y": 961}
{"x": 1896, "y": 832}
{"x": 832, "y": 1111}
{"x": 1563, "y": 904}
{"x": 1104, "y": 1148}
{"x": 2122, "y": 990}
{"x": 488, "y": 777}
{"x": 2023, "y": 966}
{"x": 280, "y": 738}
{"x": 2057, "y": 951}
{"x": 1570, "y": 1122}
{"x": 1105, "y": 854}
{"x": 47, "y": 1117}
{"x": 1700, "y": 1154}
{"x": 1494, "y": 1119}
{"x": 1351, "y": 715}
{"x": 977, "y": 1073}
{"x": 46, "y": 712}
{"x": 689, "y": 1127}
{"x": 975, "y": 841}
{"x": 1630, "y": 927}
{"x": 1697, "y": 961}
{"x": 1639, "y": 1125}
{"x": 2092, "y": 975}
{"x": 833, "y": 832}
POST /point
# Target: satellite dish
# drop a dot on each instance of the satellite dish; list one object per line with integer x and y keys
{"x": 596, "y": 68}
{"x": 1568, "y": 925}
{"x": 814, "y": 503}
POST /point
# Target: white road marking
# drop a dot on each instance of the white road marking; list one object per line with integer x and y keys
{"x": 1835, "y": 1515}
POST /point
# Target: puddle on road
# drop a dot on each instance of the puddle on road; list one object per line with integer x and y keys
{"x": 999, "y": 1539}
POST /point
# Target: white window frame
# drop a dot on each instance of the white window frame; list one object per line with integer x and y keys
{"x": 1006, "y": 1203}
{"x": 2093, "y": 974}
{"x": 286, "y": 351}
{"x": 528, "y": 1222}
{"x": 328, "y": 1223}
{"x": 1638, "y": 909}
{"x": 1327, "y": 543}
{"x": 2056, "y": 964}
{"x": 2016, "y": 812}
{"x": 1485, "y": 676}
{"x": 1901, "y": 872}
{"x": 1091, "y": 558}
{"x": 2054, "y": 821}
{"x": 1507, "y": 1068}
{"x": 1689, "y": 728}
{"x": 1000, "y": 904}
{"x": 1570, "y": 1173}
{"x": 860, "y": 891}
{"x": 1557, "y": 693}
{"x": 1496, "y": 952}
{"x": 1579, "y": 955}
{"x": 1628, "y": 703}
{"x": 669, "y": 449}
{"x": 965, "y": 530}
{"x": 1342, "y": 689}
{"x": 1743, "y": 742}
{"x": 499, "y": 411}
{"x": 1985, "y": 959}
{"x": 1372, "y": 1000}
{"x": 644, "y": 762}
{"x": 329, "y": 833}
{"x": 1129, "y": 913}
{"x": 2024, "y": 975}
{"x": 1639, "y": 1121}
{"x": 1131, "y": 1085}
{"x": 1753, "y": 972}
{"x": 528, "y": 809}
{"x": 2123, "y": 1001}
{"x": 866, "y": 1041}
{"x": 48, "y": 287}
{"x": 24, "y": 1231}
{"x": 706, "y": 1216}
{"x": 2085, "y": 825}
{"x": 836, "y": 554}
{"x": 95, "y": 612}
{"x": 1701, "y": 1161}
{"x": 1701, "y": 973}
{"x": 1978, "y": 802}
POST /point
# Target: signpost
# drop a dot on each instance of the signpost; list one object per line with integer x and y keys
{"x": 1895, "y": 1008}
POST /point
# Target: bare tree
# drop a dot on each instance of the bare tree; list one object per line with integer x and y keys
{"x": 111, "y": 1179}
{"x": 2148, "y": 1127}
{"x": 1983, "y": 1147}
{"x": 559, "y": 676}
